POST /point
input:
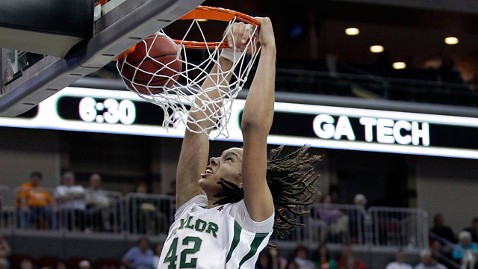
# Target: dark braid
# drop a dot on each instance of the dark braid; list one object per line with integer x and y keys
{"x": 291, "y": 179}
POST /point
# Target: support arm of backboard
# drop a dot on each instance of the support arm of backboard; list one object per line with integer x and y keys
{"x": 116, "y": 31}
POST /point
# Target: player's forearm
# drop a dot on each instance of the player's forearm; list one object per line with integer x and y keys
{"x": 209, "y": 100}
{"x": 259, "y": 108}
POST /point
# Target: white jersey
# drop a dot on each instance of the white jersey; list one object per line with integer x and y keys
{"x": 211, "y": 238}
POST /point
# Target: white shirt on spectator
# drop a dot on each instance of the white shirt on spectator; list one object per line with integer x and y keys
{"x": 64, "y": 191}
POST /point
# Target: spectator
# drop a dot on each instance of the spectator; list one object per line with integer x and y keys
{"x": 348, "y": 261}
{"x": 5, "y": 249}
{"x": 71, "y": 202}
{"x": 148, "y": 217}
{"x": 441, "y": 230}
{"x": 139, "y": 256}
{"x": 358, "y": 219}
{"x": 324, "y": 260}
{"x": 34, "y": 204}
{"x": 278, "y": 261}
{"x": 301, "y": 257}
{"x": 84, "y": 264}
{"x": 332, "y": 222}
{"x": 427, "y": 261}
{"x": 473, "y": 229}
{"x": 97, "y": 203}
{"x": 464, "y": 246}
{"x": 400, "y": 261}
{"x": 157, "y": 248}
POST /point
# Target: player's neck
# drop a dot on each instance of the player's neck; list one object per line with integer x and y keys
{"x": 211, "y": 201}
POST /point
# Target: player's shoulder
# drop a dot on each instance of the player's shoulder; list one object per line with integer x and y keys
{"x": 198, "y": 200}
{"x": 239, "y": 213}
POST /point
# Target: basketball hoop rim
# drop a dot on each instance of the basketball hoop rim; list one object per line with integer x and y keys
{"x": 206, "y": 13}
{"x": 217, "y": 14}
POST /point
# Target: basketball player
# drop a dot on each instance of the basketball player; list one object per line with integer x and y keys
{"x": 225, "y": 207}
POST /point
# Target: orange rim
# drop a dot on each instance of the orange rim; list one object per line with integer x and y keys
{"x": 206, "y": 13}
{"x": 217, "y": 14}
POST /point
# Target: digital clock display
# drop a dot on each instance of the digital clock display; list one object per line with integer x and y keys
{"x": 123, "y": 112}
{"x": 109, "y": 111}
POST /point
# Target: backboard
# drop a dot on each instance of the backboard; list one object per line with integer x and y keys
{"x": 37, "y": 64}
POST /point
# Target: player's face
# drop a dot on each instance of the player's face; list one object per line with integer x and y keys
{"x": 228, "y": 166}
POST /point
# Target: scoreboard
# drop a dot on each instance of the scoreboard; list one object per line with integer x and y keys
{"x": 321, "y": 126}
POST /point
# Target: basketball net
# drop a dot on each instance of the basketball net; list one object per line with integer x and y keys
{"x": 178, "y": 99}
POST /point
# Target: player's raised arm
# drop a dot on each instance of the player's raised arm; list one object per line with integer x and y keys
{"x": 194, "y": 154}
{"x": 256, "y": 124}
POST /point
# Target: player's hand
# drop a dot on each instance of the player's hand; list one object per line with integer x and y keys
{"x": 266, "y": 33}
{"x": 238, "y": 35}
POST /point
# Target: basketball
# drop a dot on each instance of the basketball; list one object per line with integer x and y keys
{"x": 153, "y": 65}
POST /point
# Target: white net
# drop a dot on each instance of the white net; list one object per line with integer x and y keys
{"x": 174, "y": 91}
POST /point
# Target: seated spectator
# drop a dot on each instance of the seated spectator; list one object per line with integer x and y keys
{"x": 464, "y": 247}
{"x": 139, "y": 256}
{"x": 34, "y": 204}
{"x": 348, "y": 261}
{"x": 427, "y": 261}
{"x": 324, "y": 259}
{"x": 146, "y": 216}
{"x": 71, "y": 202}
{"x": 97, "y": 202}
{"x": 400, "y": 261}
{"x": 301, "y": 257}
{"x": 333, "y": 223}
{"x": 473, "y": 229}
{"x": 441, "y": 230}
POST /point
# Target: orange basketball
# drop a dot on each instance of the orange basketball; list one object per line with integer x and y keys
{"x": 153, "y": 64}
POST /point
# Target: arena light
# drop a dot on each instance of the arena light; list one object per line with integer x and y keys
{"x": 376, "y": 49}
{"x": 399, "y": 65}
{"x": 451, "y": 40}
{"x": 352, "y": 31}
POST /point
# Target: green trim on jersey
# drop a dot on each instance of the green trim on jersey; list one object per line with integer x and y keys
{"x": 254, "y": 245}
{"x": 235, "y": 240}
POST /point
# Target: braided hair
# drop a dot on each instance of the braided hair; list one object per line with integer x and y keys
{"x": 292, "y": 180}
